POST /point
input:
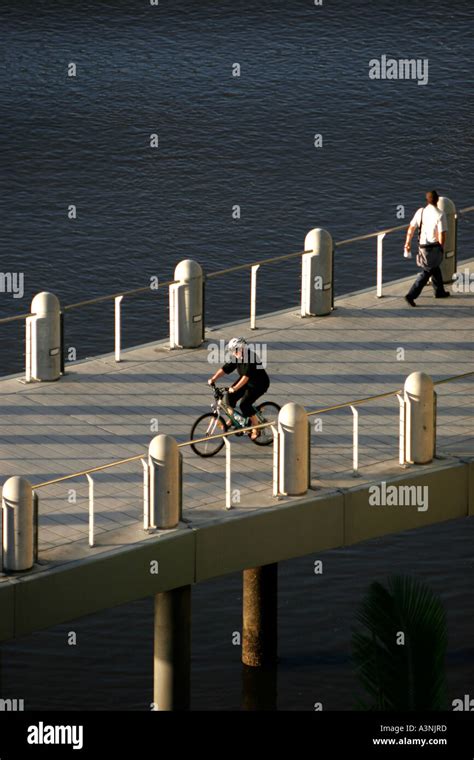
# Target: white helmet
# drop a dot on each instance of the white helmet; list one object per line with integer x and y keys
{"x": 236, "y": 343}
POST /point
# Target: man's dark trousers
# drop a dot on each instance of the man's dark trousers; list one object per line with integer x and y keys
{"x": 422, "y": 279}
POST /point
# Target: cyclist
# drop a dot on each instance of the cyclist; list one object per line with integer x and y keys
{"x": 253, "y": 381}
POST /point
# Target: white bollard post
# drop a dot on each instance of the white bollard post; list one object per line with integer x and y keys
{"x": 449, "y": 264}
{"x": 18, "y": 525}
{"x": 419, "y": 418}
{"x": 43, "y": 339}
{"x": 316, "y": 274}
{"x": 187, "y": 306}
{"x": 164, "y": 482}
{"x": 293, "y": 450}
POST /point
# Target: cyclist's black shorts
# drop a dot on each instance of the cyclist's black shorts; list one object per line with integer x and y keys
{"x": 247, "y": 396}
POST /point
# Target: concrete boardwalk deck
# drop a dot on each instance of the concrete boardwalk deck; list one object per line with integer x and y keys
{"x": 102, "y": 411}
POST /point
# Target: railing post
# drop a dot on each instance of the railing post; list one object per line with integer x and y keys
{"x": 18, "y": 525}
{"x": 146, "y": 495}
{"x": 91, "y": 510}
{"x": 118, "y": 328}
{"x": 253, "y": 296}
{"x": 35, "y": 526}
{"x": 448, "y": 265}
{"x": 419, "y": 418}
{"x": 228, "y": 474}
{"x": 276, "y": 486}
{"x": 294, "y": 442}
{"x": 165, "y": 482}
{"x": 402, "y": 433}
{"x": 186, "y": 306}
{"x": 43, "y": 339}
{"x": 316, "y": 274}
{"x": 380, "y": 238}
{"x": 28, "y": 376}
{"x": 355, "y": 443}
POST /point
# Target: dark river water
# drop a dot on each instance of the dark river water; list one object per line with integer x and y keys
{"x": 225, "y": 141}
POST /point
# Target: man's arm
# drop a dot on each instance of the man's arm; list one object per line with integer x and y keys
{"x": 410, "y": 233}
{"x": 216, "y": 376}
{"x": 243, "y": 381}
{"x": 414, "y": 224}
{"x": 441, "y": 238}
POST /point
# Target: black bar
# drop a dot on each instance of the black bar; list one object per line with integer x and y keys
{"x": 362, "y": 734}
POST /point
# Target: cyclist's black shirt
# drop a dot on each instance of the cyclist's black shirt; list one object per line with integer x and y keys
{"x": 251, "y": 366}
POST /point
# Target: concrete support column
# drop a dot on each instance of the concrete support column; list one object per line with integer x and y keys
{"x": 172, "y": 650}
{"x": 293, "y": 450}
{"x": 449, "y": 265}
{"x": 18, "y": 525}
{"x": 186, "y": 303}
{"x": 418, "y": 414}
{"x": 43, "y": 339}
{"x": 165, "y": 482}
{"x": 260, "y": 605}
{"x": 317, "y": 274}
{"x": 259, "y": 688}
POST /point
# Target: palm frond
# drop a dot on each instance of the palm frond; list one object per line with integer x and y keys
{"x": 401, "y": 676}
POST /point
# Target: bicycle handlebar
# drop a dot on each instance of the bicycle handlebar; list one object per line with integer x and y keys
{"x": 219, "y": 391}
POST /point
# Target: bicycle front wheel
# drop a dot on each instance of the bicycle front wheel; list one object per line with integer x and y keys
{"x": 206, "y": 425}
{"x": 269, "y": 411}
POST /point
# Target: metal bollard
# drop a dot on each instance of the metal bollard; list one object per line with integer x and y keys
{"x": 417, "y": 417}
{"x": 165, "y": 468}
{"x": 317, "y": 274}
{"x": 18, "y": 525}
{"x": 293, "y": 450}
{"x": 43, "y": 339}
{"x": 187, "y": 306}
{"x": 449, "y": 264}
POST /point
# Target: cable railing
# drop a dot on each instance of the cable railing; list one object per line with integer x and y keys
{"x": 252, "y": 266}
{"x": 226, "y": 436}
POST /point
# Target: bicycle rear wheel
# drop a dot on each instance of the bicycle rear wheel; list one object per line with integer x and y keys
{"x": 206, "y": 425}
{"x": 269, "y": 411}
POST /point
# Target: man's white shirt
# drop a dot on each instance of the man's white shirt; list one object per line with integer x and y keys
{"x": 434, "y": 221}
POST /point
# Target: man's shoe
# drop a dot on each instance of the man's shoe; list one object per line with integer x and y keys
{"x": 410, "y": 300}
{"x": 446, "y": 294}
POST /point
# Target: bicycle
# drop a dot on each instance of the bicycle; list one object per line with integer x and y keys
{"x": 214, "y": 422}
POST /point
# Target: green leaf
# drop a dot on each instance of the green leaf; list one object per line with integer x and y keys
{"x": 396, "y": 676}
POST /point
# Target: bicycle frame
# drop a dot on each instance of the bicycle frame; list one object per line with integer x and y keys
{"x": 224, "y": 417}
{"x": 218, "y": 407}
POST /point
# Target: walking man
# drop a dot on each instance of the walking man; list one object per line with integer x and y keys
{"x": 432, "y": 225}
